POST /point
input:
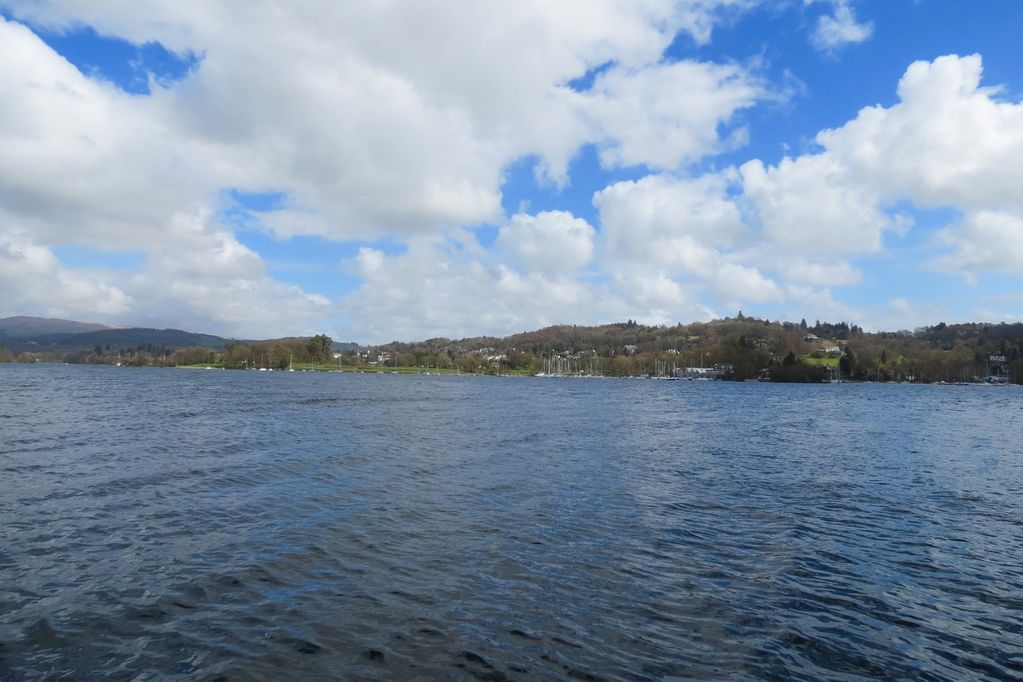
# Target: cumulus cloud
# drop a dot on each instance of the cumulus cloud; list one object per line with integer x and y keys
{"x": 257, "y": 307}
{"x": 664, "y": 115}
{"x": 819, "y": 302}
{"x": 812, "y": 205}
{"x": 947, "y": 142}
{"x": 984, "y": 241}
{"x": 372, "y": 129}
{"x": 199, "y": 277}
{"x": 672, "y": 239}
{"x": 400, "y": 121}
{"x": 82, "y": 160}
{"x": 699, "y": 241}
{"x": 736, "y": 284}
{"x": 819, "y": 272}
{"x": 656, "y": 297}
{"x": 32, "y": 279}
{"x": 554, "y": 243}
{"x": 436, "y": 288}
{"x": 670, "y": 222}
{"x": 460, "y": 290}
{"x": 834, "y": 31}
{"x": 371, "y": 120}
{"x": 787, "y": 234}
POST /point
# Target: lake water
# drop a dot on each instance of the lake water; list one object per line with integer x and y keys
{"x": 236, "y": 525}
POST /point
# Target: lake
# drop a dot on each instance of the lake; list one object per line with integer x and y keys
{"x": 161, "y": 523}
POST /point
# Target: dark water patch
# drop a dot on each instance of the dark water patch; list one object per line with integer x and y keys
{"x": 396, "y": 398}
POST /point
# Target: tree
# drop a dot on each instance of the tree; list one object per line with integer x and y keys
{"x": 1016, "y": 371}
{"x": 237, "y": 356}
{"x": 789, "y": 360}
{"x": 193, "y": 355}
{"x": 847, "y": 363}
{"x": 321, "y": 344}
{"x": 5, "y": 355}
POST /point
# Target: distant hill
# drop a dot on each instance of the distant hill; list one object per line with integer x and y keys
{"x": 23, "y": 327}
{"x": 40, "y": 334}
{"x": 54, "y": 336}
{"x": 131, "y": 337}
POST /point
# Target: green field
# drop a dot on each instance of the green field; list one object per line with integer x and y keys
{"x": 820, "y": 362}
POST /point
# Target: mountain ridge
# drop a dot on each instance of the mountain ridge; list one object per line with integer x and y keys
{"x": 34, "y": 334}
{"x": 25, "y": 326}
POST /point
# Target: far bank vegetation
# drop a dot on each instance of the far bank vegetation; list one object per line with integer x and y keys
{"x": 737, "y": 348}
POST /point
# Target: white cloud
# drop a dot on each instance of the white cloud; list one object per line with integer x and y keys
{"x": 554, "y": 243}
{"x": 437, "y": 289}
{"x": 655, "y": 298}
{"x": 724, "y": 233}
{"x": 81, "y": 160}
{"x": 948, "y": 142}
{"x": 460, "y": 290}
{"x": 671, "y": 239}
{"x": 823, "y": 273}
{"x": 901, "y": 305}
{"x": 401, "y": 120}
{"x": 258, "y": 307}
{"x": 780, "y": 235}
{"x": 812, "y": 205}
{"x": 34, "y": 281}
{"x": 397, "y": 119}
{"x": 835, "y": 31}
{"x": 818, "y": 303}
{"x": 736, "y": 284}
{"x": 191, "y": 246}
{"x": 670, "y": 222}
{"x": 984, "y": 241}
{"x": 202, "y": 278}
{"x": 197, "y": 276}
{"x": 375, "y": 119}
{"x": 665, "y": 115}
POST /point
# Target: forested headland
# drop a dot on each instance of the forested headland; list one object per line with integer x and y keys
{"x": 737, "y": 348}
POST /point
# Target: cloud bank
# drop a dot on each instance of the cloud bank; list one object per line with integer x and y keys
{"x": 378, "y": 124}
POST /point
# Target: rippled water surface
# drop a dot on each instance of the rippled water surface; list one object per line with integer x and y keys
{"x": 205, "y": 524}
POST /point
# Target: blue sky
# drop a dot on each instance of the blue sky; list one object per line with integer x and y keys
{"x": 425, "y": 170}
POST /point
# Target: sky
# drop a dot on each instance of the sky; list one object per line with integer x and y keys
{"x": 394, "y": 170}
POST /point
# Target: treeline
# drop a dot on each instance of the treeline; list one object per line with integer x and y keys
{"x": 279, "y": 354}
{"x": 276, "y": 354}
{"x": 741, "y": 347}
{"x": 8, "y": 356}
{"x": 734, "y": 348}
